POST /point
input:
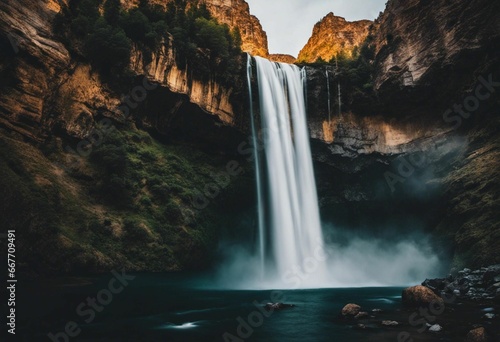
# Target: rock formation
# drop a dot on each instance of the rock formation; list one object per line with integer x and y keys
{"x": 417, "y": 41}
{"x": 234, "y": 13}
{"x": 32, "y": 61}
{"x": 350, "y": 310}
{"x": 430, "y": 59}
{"x": 334, "y": 35}
{"x": 276, "y": 57}
{"x": 44, "y": 80}
{"x": 420, "y": 296}
{"x": 481, "y": 284}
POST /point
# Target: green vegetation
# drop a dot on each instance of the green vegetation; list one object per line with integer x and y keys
{"x": 355, "y": 72}
{"x": 130, "y": 204}
{"x": 106, "y": 39}
{"x": 108, "y": 48}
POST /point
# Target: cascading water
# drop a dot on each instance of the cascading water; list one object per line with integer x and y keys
{"x": 291, "y": 251}
{"x": 290, "y": 236}
{"x": 329, "y": 97}
{"x": 260, "y": 200}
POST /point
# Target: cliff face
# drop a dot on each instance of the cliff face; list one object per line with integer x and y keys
{"x": 44, "y": 88}
{"x": 31, "y": 63}
{"x": 54, "y": 111}
{"x": 333, "y": 35}
{"x": 418, "y": 42}
{"x": 234, "y": 13}
{"x": 163, "y": 70}
{"x": 433, "y": 60}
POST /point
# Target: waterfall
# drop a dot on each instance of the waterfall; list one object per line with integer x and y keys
{"x": 329, "y": 96}
{"x": 340, "y": 101}
{"x": 260, "y": 208}
{"x": 290, "y": 235}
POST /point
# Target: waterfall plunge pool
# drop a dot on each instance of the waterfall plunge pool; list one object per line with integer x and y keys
{"x": 181, "y": 307}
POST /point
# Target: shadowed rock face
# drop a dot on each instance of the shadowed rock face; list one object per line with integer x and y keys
{"x": 333, "y": 35}
{"x": 31, "y": 59}
{"x": 416, "y": 41}
{"x": 429, "y": 58}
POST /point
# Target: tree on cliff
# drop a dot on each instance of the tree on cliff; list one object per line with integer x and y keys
{"x": 107, "y": 47}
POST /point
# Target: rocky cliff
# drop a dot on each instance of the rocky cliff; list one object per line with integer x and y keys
{"x": 31, "y": 63}
{"x": 41, "y": 80}
{"x": 234, "y": 13}
{"x": 435, "y": 80}
{"x": 59, "y": 118}
{"x": 435, "y": 57}
{"x": 438, "y": 43}
{"x": 334, "y": 35}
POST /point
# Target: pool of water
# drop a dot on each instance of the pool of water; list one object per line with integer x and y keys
{"x": 178, "y": 307}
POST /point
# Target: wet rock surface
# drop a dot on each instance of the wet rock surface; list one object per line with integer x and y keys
{"x": 436, "y": 313}
{"x": 350, "y": 310}
{"x": 468, "y": 284}
{"x": 420, "y": 296}
{"x": 278, "y": 306}
{"x": 477, "y": 335}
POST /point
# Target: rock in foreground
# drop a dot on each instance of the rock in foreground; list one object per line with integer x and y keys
{"x": 390, "y": 323}
{"x": 468, "y": 284}
{"x": 420, "y": 296}
{"x": 350, "y": 310}
{"x": 435, "y": 328}
{"x": 477, "y": 335}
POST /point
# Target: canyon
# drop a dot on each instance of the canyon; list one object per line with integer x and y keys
{"x": 423, "y": 65}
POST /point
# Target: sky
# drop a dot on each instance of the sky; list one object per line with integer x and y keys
{"x": 289, "y": 23}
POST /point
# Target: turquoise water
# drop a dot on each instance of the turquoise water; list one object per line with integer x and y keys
{"x": 168, "y": 307}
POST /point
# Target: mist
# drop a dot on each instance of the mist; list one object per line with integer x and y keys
{"x": 352, "y": 259}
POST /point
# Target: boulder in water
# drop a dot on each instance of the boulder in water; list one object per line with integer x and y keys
{"x": 390, "y": 323}
{"x": 277, "y": 306}
{"x": 435, "y": 328}
{"x": 420, "y": 296}
{"x": 350, "y": 310}
{"x": 362, "y": 315}
{"x": 477, "y": 335}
